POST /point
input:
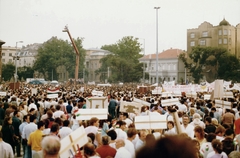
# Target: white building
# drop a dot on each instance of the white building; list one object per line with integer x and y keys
{"x": 170, "y": 68}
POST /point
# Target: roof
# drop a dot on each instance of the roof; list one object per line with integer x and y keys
{"x": 224, "y": 22}
{"x": 167, "y": 54}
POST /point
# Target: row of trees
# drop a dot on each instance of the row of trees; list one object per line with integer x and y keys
{"x": 213, "y": 63}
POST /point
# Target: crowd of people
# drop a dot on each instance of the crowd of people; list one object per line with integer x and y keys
{"x": 32, "y": 125}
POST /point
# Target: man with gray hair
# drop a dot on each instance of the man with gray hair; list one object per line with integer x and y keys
{"x": 50, "y": 148}
{"x": 105, "y": 150}
{"x": 122, "y": 152}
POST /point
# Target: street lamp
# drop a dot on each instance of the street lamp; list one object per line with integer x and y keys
{"x": 16, "y": 57}
{"x": 143, "y": 59}
{"x": 157, "y": 43}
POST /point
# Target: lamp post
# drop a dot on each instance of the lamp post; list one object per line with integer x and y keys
{"x": 16, "y": 57}
{"x": 143, "y": 59}
{"x": 1, "y": 43}
{"x": 157, "y": 43}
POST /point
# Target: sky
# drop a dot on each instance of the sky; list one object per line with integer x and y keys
{"x": 105, "y": 22}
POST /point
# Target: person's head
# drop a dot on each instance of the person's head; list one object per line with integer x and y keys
{"x": 220, "y": 130}
{"x": 106, "y": 140}
{"x": 229, "y": 133}
{"x": 217, "y": 146}
{"x": 92, "y": 136}
{"x": 131, "y": 133}
{"x": 199, "y": 132}
{"x": 170, "y": 124}
{"x": 228, "y": 145}
{"x": 150, "y": 139}
{"x": 169, "y": 147}
{"x": 121, "y": 117}
{"x": 40, "y": 125}
{"x": 142, "y": 134}
{"x": 112, "y": 134}
{"x": 58, "y": 107}
{"x": 33, "y": 118}
{"x": 122, "y": 125}
{"x": 94, "y": 121}
{"x": 55, "y": 128}
{"x": 185, "y": 119}
{"x": 215, "y": 122}
{"x": 208, "y": 120}
{"x": 16, "y": 113}
{"x": 50, "y": 146}
{"x": 32, "y": 111}
{"x": 89, "y": 149}
{"x": 66, "y": 123}
{"x": 196, "y": 116}
{"x": 49, "y": 114}
{"x": 210, "y": 137}
{"x": 234, "y": 154}
{"x": 63, "y": 117}
{"x": 7, "y": 121}
{"x": 58, "y": 121}
{"x": 120, "y": 143}
{"x": 26, "y": 118}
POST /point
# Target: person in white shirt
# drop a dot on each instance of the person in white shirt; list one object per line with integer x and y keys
{"x": 186, "y": 127}
{"x": 27, "y": 130}
{"x": 122, "y": 152}
{"x": 6, "y": 150}
{"x": 131, "y": 133}
{"x": 32, "y": 105}
{"x": 124, "y": 117}
{"x": 141, "y": 141}
{"x": 121, "y": 134}
{"x": 58, "y": 113}
{"x": 206, "y": 148}
{"x": 93, "y": 128}
{"x": 218, "y": 152}
{"x": 65, "y": 130}
{"x": 182, "y": 107}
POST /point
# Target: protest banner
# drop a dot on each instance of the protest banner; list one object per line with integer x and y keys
{"x": 151, "y": 122}
{"x": 97, "y": 103}
{"x": 3, "y": 93}
{"x": 223, "y": 104}
{"x": 87, "y": 114}
{"x": 170, "y": 102}
{"x": 130, "y": 107}
{"x": 97, "y": 93}
{"x": 141, "y": 102}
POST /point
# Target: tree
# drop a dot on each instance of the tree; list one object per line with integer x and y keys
{"x": 56, "y": 52}
{"x": 8, "y": 71}
{"x": 216, "y": 61}
{"x": 123, "y": 62}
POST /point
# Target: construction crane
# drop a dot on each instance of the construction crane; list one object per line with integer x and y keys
{"x": 77, "y": 54}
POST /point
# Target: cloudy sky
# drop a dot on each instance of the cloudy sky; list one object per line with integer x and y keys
{"x": 102, "y": 22}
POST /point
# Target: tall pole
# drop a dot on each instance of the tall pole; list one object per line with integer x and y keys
{"x": 16, "y": 58}
{"x": 143, "y": 62}
{"x": 77, "y": 54}
{"x": 157, "y": 43}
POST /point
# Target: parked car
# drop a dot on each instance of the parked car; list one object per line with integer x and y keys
{"x": 36, "y": 82}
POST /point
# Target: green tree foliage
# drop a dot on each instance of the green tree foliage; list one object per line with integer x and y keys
{"x": 8, "y": 71}
{"x": 123, "y": 62}
{"x": 222, "y": 63}
{"x": 25, "y": 72}
{"x": 56, "y": 52}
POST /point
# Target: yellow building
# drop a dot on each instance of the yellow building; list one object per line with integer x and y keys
{"x": 223, "y": 35}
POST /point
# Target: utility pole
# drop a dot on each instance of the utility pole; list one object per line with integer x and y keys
{"x": 77, "y": 54}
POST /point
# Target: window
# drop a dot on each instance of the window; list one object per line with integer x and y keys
{"x": 10, "y": 60}
{"x": 205, "y": 34}
{"x": 229, "y": 32}
{"x": 3, "y": 60}
{"x": 10, "y": 54}
{"x": 192, "y": 43}
{"x": 3, "y": 54}
{"x": 225, "y": 41}
{"x": 192, "y": 35}
{"x": 202, "y": 42}
{"x": 219, "y": 41}
{"x": 225, "y": 32}
{"x": 219, "y": 32}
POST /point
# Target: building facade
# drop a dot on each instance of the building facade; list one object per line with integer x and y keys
{"x": 170, "y": 68}
{"x": 92, "y": 63}
{"x": 223, "y": 35}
